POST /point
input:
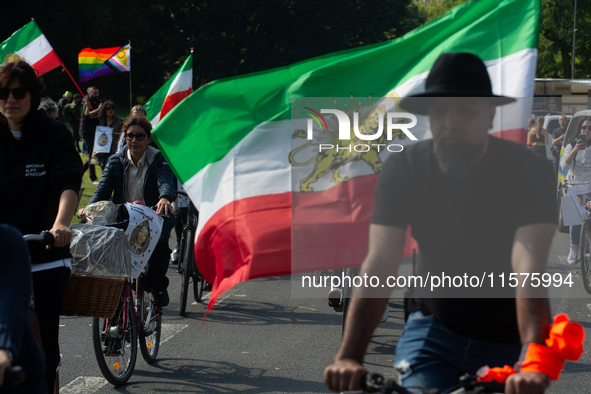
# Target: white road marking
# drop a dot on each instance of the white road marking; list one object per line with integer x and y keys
{"x": 589, "y": 306}
{"x": 92, "y": 384}
{"x": 84, "y": 385}
{"x": 170, "y": 330}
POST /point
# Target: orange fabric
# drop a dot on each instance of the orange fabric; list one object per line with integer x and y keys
{"x": 540, "y": 358}
{"x": 497, "y": 374}
{"x": 565, "y": 342}
{"x": 566, "y": 338}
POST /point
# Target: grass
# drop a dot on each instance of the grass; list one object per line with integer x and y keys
{"x": 88, "y": 187}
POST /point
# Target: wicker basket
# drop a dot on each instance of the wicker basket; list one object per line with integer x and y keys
{"x": 92, "y": 296}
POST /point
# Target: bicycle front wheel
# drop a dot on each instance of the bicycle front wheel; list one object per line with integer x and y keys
{"x": 149, "y": 333}
{"x": 115, "y": 344}
{"x": 186, "y": 270}
{"x": 585, "y": 255}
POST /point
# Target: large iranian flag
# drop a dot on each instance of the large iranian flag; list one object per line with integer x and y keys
{"x": 175, "y": 90}
{"x": 263, "y": 212}
{"x": 29, "y": 44}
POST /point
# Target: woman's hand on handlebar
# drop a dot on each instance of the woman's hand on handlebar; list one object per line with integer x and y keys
{"x": 62, "y": 235}
{"x": 344, "y": 375}
{"x": 164, "y": 207}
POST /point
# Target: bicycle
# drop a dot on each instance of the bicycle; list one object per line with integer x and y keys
{"x": 585, "y": 252}
{"x": 187, "y": 266}
{"x": 376, "y": 383}
{"x": 16, "y": 375}
{"x": 115, "y": 338}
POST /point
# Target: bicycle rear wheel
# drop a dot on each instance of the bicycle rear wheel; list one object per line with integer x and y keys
{"x": 149, "y": 334}
{"x": 115, "y": 346}
{"x": 585, "y": 255}
{"x": 186, "y": 270}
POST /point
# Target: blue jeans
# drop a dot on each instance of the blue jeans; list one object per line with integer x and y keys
{"x": 575, "y": 234}
{"x": 429, "y": 355}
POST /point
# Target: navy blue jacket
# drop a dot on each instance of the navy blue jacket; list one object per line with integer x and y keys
{"x": 158, "y": 181}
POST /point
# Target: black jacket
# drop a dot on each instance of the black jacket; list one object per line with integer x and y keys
{"x": 158, "y": 182}
{"x": 34, "y": 171}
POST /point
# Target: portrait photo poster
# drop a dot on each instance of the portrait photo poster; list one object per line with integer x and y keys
{"x": 103, "y": 139}
{"x": 143, "y": 232}
{"x": 574, "y": 205}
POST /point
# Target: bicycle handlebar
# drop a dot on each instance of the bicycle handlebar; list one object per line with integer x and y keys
{"x": 46, "y": 238}
{"x": 374, "y": 383}
{"x": 14, "y": 376}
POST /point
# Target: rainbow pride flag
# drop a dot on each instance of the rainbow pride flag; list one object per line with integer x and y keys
{"x": 94, "y": 63}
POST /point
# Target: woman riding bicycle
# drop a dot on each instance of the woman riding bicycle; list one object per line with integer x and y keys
{"x": 577, "y": 161}
{"x": 140, "y": 173}
{"x": 42, "y": 172}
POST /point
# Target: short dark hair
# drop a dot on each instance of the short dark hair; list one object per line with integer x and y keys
{"x": 91, "y": 88}
{"x": 77, "y": 95}
{"x": 138, "y": 121}
{"x": 29, "y": 80}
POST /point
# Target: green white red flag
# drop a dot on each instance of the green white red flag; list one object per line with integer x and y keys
{"x": 177, "y": 88}
{"x": 231, "y": 143}
{"x": 29, "y": 44}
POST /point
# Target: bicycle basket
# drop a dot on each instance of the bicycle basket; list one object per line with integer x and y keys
{"x": 101, "y": 262}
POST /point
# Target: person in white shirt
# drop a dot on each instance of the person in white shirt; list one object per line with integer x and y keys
{"x": 577, "y": 161}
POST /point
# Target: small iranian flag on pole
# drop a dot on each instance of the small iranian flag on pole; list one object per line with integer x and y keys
{"x": 179, "y": 86}
{"x": 29, "y": 44}
{"x": 269, "y": 204}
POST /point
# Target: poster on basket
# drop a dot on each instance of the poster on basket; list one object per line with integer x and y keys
{"x": 574, "y": 205}
{"x": 143, "y": 232}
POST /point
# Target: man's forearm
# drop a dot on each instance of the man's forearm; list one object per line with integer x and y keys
{"x": 362, "y": 318}
{"x": 533, "y": 317}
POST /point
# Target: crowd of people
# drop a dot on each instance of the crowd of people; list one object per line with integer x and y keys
{"x": 40, "y": 159}
{"x": 443, "y": 337}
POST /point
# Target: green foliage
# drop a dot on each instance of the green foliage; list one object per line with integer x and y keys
{"x": 556, "y": 35}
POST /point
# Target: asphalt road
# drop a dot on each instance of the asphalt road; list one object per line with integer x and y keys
{"x": 258, "y": 339}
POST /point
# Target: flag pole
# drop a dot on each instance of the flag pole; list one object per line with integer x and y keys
{"x": 129, "y": 60}
{"x": 70, "y": 75}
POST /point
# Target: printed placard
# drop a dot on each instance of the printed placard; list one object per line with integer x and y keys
{"x": 143, "y": 232}
{"x": 103, "y": 138}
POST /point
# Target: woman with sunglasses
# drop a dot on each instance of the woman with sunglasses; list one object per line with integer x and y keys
{"x": 140, "y": 173}
{"x": 108, "y": 118}
{"x": 577, "y": 161}
{"x": 41, "y": 173}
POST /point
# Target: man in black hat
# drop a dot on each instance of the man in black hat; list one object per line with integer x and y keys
{"x": 476, "y": 204}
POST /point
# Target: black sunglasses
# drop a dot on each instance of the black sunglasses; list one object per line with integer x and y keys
{"x": 17, "y": 93}
{"x": 108, "y": 108}
{"x": 138, "y": 136}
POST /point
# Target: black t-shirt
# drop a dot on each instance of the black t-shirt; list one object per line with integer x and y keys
{"x": 559, "y": 131}
{"x": 467, "y": 226}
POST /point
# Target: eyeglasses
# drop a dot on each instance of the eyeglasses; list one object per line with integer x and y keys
{"x": 138, "y": 136}
{"x": 110, "y": 108}
{"x": 17, "y": 93}
{"x": 585, "y": 127}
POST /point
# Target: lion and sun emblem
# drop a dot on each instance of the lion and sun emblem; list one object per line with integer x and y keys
{"x": 329, "y": 160}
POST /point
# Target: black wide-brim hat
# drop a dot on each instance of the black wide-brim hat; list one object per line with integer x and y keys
{"x": 455, "y": 75}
